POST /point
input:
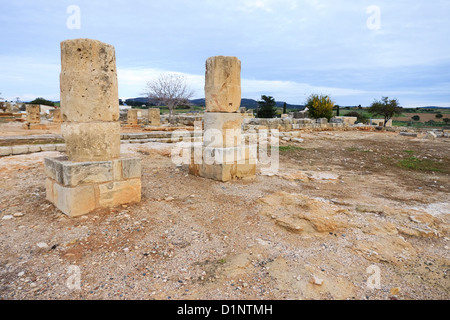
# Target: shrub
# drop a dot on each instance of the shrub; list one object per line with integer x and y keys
{"x": 320, "y": 106}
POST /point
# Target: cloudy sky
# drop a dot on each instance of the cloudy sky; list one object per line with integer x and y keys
{"x": 355, "y": 51}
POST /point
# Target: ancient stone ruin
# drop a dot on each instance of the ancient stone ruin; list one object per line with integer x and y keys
{"x": 154, "y": 117}
{"x": 33, "y": 114}
{"x": 132, "y": 118}
{"x": 57, "y": 116}
{"x": 93, "y": 174}
{"x": 224, "y": 156}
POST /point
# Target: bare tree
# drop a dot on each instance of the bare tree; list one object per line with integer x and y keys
{"x": 170, "y": 90}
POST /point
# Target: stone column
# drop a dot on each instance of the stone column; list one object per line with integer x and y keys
{"x": 33, "y": 114}
{"x": 225, "y": 157}
{"x": 93, "y": 174}
{"x": 89, "y": 100}
{"x": 57, "y": 117}
{"x": 154, "y": 117}
{"x": 33, "y": 117}
{"x": 132, "y": 117}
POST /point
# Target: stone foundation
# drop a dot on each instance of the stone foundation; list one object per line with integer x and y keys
{"x": 77, "y": 188}
{"x": 224, "y": 164}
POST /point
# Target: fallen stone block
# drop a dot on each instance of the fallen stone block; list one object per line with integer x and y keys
{"x": 408, "y": 134}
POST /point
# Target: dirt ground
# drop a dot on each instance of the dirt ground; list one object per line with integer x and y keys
{"x": 340, "y": 220}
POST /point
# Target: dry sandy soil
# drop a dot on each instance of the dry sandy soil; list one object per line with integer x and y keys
{"x": 339, "y": 210}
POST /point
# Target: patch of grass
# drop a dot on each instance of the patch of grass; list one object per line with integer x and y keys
{"x": 415, "y": 163}
{"x": 352, "y": 149}
{"x": 409, "y": 151}
{"x": 290, "y": 148}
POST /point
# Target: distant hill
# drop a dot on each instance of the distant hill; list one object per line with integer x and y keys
{"x": 251, "y": 104}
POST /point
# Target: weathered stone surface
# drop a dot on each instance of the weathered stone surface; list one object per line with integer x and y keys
{"x": 431, "y": 135}
{"x": 71, "y": 174}
{"x": 154, "y": 117}
{"x": 131, "y": 168}
{"x": 119, "y": 192}
{"x": 57, "y": 116}
{"x": 54, "y": 168}
{"x": 19, "y": 150}
{"x": 222, "y": 129}
{"x": 48, "y": 147}
{"x": 92, "y": 175}
{"x": 92, "y": 141}
{"x": 74, "y": 201}
{"x": 223, "y": 172}
{"x": 88, "y": 81}
{"x": 5, "y": 151}
{"x": 79, "y": 188}
{"x": 132, "y": 117}
{"x": 223, "y": 84}
{"x": 33, "y": 113}
{"x": 242, "y": 154}
{"x": 34, "y": 148}
{"x": 49, "y": 190}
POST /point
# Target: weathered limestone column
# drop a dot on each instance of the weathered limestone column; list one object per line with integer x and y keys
{"x": 225, "y": 157}
{"x": 93, "y": 174}
{"x": 33, "y": 117}
{"x": 154, "y": 117}
{"x": 33, "y": 113}
{"x": 132, "y": 117}
{"x": 89, "y": 100}
{"x": 57, "y": 116}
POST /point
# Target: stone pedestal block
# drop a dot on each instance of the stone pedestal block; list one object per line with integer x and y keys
{"x": 154, "y": 117}
{"x": 223, "y": 84}
{"x": 92, "y": 141}
{"x": 224, "y": 172}
{"x": 77, "y": 188}
{"x": 33, "y": 114}
{"x": 222, "y": 130}
{"x": 57, "y": 116}
{"x": 132, "y": 117}
{"x": 224, "y": 164}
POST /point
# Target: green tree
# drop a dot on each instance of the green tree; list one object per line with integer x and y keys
{"x": 285, "y": 108}
{"x": 416, "y": 118}
{"x": 439, "y": 116}
{"x": 320, "y": 106}
{"x": 43, "y": 101}
{"x": 267, "y": 108}
{"x": 446, "y": 120}
{"x": 386, "y": 108}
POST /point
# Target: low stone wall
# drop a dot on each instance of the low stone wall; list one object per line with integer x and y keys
{"x": 181, "y": 120}
{"x": 287, "y": 124}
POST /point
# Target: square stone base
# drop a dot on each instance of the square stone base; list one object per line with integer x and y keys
{"x": 77, "y": 188}
{"x": 225, "y": 164}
